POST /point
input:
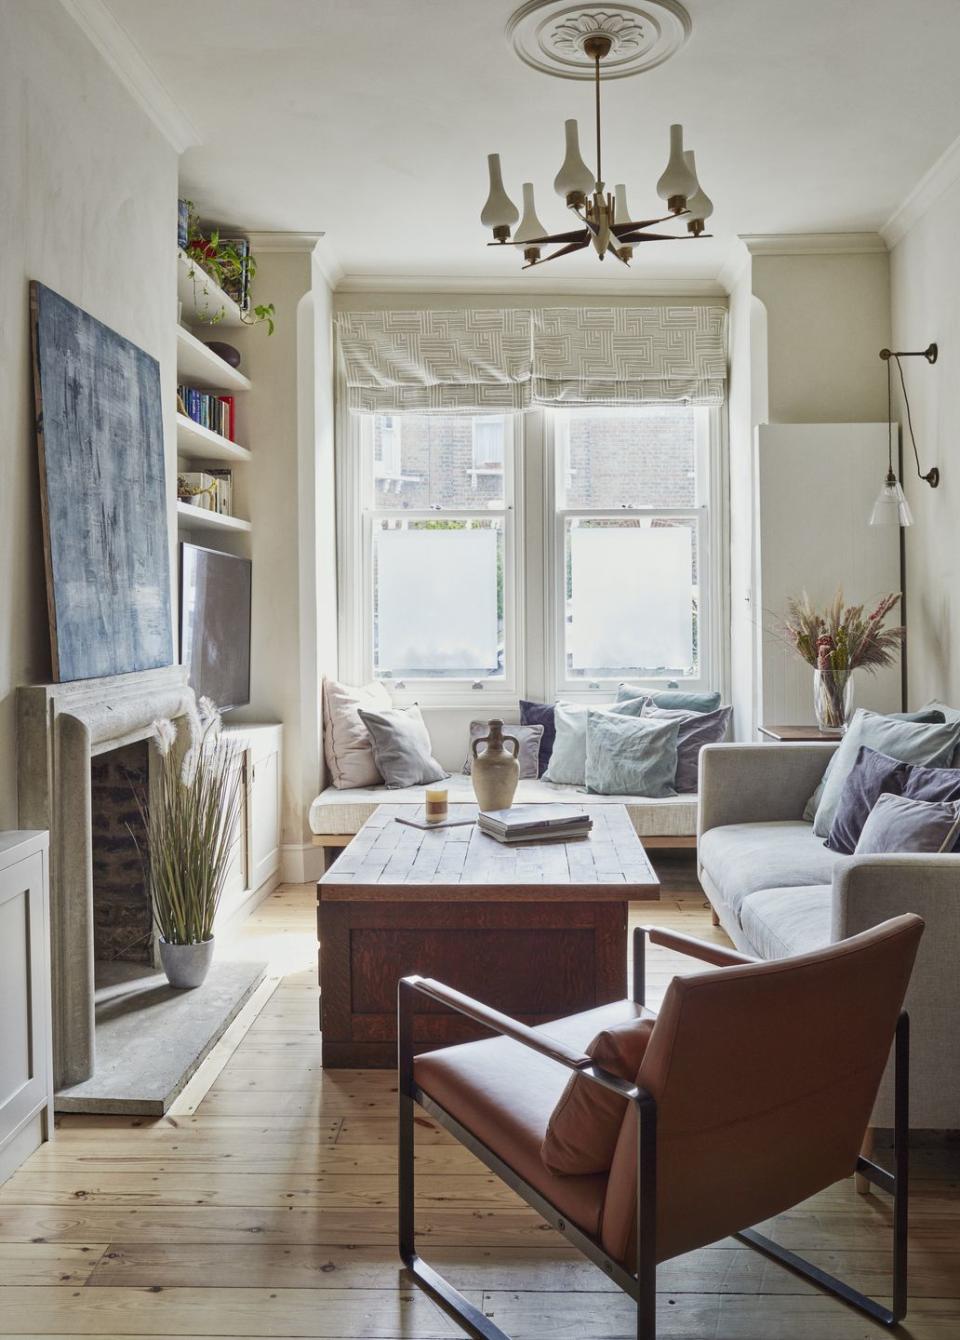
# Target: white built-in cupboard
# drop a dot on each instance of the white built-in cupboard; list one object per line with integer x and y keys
{"x": 26, "y": 1064}
{"x": 816, "y": 486}
{"x": 255, "y": 859}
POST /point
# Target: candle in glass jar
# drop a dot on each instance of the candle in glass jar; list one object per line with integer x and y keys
{"x": 436, "y": 806}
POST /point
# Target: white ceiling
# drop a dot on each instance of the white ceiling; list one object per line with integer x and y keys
{"x": 370, "y": 121}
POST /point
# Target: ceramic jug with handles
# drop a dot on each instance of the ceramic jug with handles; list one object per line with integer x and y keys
{"x": 496, "y": 771}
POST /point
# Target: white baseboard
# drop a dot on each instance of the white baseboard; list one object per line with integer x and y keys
{"x": 18, "y": 1147}
{"x": 300, "y": 863}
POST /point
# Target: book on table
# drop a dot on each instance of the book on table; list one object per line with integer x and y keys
{"x": 535, "y": 823}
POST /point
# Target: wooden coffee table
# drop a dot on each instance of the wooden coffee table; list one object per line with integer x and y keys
{"x": 539, "y": 931}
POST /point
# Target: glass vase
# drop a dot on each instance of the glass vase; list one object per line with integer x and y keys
{"x": 832, "y": 701}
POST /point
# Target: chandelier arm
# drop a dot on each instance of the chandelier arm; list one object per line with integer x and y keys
{"x": 619, "y": 255}
{"x": 564, "y": 251}
{"x": 576, "y": 235}
{"x": 621, "y": 228}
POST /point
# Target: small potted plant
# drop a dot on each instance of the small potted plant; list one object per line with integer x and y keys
{"x": 837, "y": 641}
{"x": 189, "y": 823}
{"x": 229, "y": 263}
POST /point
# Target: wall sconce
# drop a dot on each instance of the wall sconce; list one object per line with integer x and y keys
{"x": 891, "y": 507}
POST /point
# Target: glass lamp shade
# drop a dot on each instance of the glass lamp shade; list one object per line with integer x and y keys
{"x": 499, "y": 212}
{"x": 530, "y": 226}
{"x": 698, "y": 203}
{"x": 621, "y": 210}
{"x": 891, "y": 507}
{"x": 677, "y": 181}
{"x": 574, "y": 178}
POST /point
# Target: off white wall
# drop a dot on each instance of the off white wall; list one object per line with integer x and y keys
{"x": 286, "y": 419}
{"x": 925, "y": 282}
{"x": 88, "y": 207}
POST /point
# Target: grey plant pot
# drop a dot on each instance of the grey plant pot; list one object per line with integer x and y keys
{"x": 186, "y": 965}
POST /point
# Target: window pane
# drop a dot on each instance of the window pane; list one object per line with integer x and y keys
{"x": 631, "y": 598}
{"x": 643, "y": 457}
{"x": 431, "y": 461}
{"x": 438, "y": 599}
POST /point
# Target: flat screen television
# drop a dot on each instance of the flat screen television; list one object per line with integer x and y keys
{"x": 215, "y": 624}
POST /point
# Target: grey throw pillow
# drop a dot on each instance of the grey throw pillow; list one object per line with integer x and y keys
{"x": 630, "y": 756}
{"x": 897, "y": 823}
{"x": 529, "y": 738}
{"x": 401, "y": 747}
{"x": 677, "y": 700}
{"x": 696, "y": 730}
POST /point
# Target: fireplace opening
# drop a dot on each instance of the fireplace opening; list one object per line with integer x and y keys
{"x": 123, "y": 929}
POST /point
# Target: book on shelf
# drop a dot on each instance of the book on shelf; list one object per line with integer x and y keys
{"x": 224, "y": 495}
{"x": 535, "y": 823}
{"x": 200, "y": 489}
{"x": 216, "y": 412}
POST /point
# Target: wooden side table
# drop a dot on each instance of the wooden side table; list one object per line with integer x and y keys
{"x": 798, "y": 735}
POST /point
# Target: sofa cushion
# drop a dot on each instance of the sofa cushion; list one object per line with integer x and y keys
{"x": 781, "y": 922}
{"x": 630, "y": 754}
{"x": 540, "y": 714}
{"x": 346, "y": 811}
{"x": 584, "y": 1126}
{"x": 676, "y": 699}
{"x": 874, "y": 775}
{"x": 346, "y": 742}
{"x": 742, "y": 858}
{"x": 529, "y": 739}
{"x": 401, "y": 747}
{"x": 899, "y": 823}
{"x": 696, "y": 730}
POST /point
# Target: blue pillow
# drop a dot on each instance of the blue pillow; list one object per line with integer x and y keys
{"x": 631, "y": 756}
{"x": 676, "y": 699}
{"x": 874, "y": 775}
{"x": 898, "y": 823}
{"x": 906, "y": 741}
{"x": 540, "y": 714}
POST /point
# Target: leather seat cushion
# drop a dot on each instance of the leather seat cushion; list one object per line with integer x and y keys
{"x": 504, "y": 1094}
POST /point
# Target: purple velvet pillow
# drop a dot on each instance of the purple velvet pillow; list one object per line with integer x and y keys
{"x": 875, "y": 774}
{"x": 900, "y": 823}
{"x": 696, "y": 730}
{"x": 540, "y": 714}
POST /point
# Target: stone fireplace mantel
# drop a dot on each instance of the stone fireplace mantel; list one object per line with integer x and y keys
{"x": 61, "y": 727}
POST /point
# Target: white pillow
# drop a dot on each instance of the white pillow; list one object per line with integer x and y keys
{"x": 346, "y": 740}
{"x": 568, "y": 762}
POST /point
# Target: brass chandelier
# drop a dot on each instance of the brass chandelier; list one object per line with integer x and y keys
{"x": 604, "y": 215}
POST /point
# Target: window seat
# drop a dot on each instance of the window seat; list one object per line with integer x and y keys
{"x": 335, "y": 816}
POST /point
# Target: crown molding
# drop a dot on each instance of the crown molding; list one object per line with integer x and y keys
{"x": 274, "y": 240}
{"x": 439, "y": 283}
{"x": 734, "y": 267}
{"x": 127, "y": 62}
{"x": 812, "y": 244}
{"x": 928, "y": 190}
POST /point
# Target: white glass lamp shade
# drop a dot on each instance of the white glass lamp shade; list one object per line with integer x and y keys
{"x": 530, "y": 228}
{"x": 574, "y": 181}
{"x": 699, "y": 203}
{"x": 621, "y": 210}
{"x": 677, "y": 181}
{"x": 499, "y": 212}
{"x": 891, "y": 507}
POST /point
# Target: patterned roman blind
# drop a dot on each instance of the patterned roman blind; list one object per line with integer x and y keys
{"x": 489, "y": 361}
{"x": 629, "y": 355}
{"x": 436, "y": 362}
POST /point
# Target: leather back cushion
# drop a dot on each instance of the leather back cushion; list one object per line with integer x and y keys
{"x": 764, "y": 1077}
{"x": 585, "y": 1124}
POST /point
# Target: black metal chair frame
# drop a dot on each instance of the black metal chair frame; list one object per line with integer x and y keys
{"x": 641, "y": 1284}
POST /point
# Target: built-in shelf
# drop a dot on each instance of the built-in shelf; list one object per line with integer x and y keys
{"x": 204, "y": 301}
{"x": 202, "y": 444}
{"x": 195, "y": 518}
{"x": 199, "y": 366}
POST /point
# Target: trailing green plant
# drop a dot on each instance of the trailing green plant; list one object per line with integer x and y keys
{"x": 189, "y": 822}
{"x": 231, "y": 268}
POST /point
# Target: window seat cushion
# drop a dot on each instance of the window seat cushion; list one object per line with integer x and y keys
{"x": 345, "y": 811}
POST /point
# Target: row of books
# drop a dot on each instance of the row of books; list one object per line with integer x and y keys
{"x": 535, "y": 823}
{"x": 211, "y": 490}
{"x": 216, "y": 412}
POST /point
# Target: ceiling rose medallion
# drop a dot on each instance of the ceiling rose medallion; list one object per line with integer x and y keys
{"x": 577, "y": 39}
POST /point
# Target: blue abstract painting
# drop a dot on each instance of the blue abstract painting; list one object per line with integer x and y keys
{"x": 103, "y": 496}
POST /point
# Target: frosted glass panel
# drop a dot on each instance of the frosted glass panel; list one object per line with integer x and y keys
{"x": 438, "y": 601}
{"x": 631, "y": 605}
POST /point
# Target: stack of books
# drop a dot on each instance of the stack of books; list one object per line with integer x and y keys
{"x": 535, "y": 823}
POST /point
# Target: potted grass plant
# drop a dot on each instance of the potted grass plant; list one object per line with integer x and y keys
{"x": 189, "y": 824}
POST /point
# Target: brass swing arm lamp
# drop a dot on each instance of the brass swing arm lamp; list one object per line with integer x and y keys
{"x": 891, "y": 506}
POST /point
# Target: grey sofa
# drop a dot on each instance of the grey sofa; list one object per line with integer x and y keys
{"x": 777, "y": 890}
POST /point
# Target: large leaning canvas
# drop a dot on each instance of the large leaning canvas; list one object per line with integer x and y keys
{"x": 103, "y": 497}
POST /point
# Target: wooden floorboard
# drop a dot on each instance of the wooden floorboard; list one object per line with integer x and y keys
{"x": 264, "y": 1205}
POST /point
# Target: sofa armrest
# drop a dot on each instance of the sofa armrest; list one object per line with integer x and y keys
{"x": 757, "y": 783}
{"x": 869, "y": 889}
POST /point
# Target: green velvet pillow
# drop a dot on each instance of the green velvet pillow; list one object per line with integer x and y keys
{"x": 631, "y": 756}
{"x": 676, "y": 700}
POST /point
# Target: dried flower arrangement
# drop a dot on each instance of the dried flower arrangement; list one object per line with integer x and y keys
{"x": 837, "y": 641}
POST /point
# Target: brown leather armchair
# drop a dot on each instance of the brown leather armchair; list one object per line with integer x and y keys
{"x": 755, "y": 1092}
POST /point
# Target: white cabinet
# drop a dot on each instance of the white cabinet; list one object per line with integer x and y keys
{"x": 26, "y": 1068}
{"x": 255, "y": 863}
